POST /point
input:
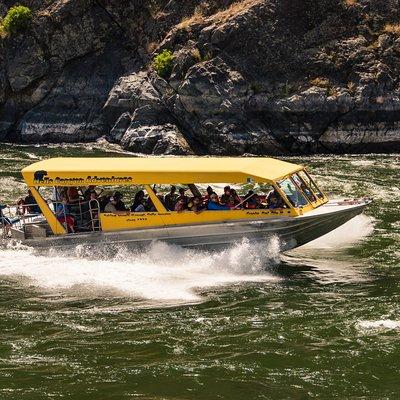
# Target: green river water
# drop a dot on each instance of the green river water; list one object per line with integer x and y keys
{"x": 322, "y": 321}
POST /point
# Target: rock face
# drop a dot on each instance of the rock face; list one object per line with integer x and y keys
{"x": 249, "y": 76}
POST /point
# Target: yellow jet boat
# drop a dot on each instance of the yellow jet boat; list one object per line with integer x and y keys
{"x": 302, "y": 214}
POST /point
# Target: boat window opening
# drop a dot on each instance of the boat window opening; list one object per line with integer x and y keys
{"x": 78, "y": 208}
{"x": 84, "y": 204}
{"x": 294, "y": 195}
{"x": 311, "y": 183}
{"x": 219, "y": 196}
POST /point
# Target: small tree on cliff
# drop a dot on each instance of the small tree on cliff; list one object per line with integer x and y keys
{"x": 163, "y": 63}
{"x": 17, "y": 19}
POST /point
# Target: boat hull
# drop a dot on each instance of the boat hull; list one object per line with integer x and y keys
{"x": 291, "y": 232}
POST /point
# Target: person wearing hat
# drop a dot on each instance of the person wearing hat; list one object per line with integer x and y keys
{"x": 111, "y": 207}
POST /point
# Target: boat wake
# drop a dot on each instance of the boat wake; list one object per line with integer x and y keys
{"x": 162, "y": 273}
{"x": 347, "y": 234}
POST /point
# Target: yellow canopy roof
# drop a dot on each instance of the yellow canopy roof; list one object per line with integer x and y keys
{"x": 154, "y": 170}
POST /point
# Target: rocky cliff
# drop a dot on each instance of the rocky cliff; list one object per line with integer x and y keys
{"x": 250, "y": 76}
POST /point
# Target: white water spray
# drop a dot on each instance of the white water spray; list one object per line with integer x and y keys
{"x": 378, "y": 325}
{"x": 162, "y": 273}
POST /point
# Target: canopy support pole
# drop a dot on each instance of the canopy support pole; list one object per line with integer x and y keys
{"x": 55, "y": 225}
{"x": 156, "y": 201}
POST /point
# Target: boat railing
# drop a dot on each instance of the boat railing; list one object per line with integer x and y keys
{"x": 18, "y": 216}
{"x": 86, "y": 214}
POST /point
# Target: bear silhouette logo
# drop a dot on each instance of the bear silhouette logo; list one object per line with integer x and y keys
{"x": 39, "y": 176}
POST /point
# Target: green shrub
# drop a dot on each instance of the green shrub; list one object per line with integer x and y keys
{"x": 163, "y": 63}
{"x": 17, "y": 18}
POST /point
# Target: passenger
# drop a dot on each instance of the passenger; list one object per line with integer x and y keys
{"x": 214, "y": 205}
{"x": 58, "y": 193}
{"x": 274, "y": 200}
{"x": 103, "y": 201}
{"x": 181, "y": 205}
{"x": 281, "y": 203}
{"x": 307, "y": 191}
{"x": 88, "y": 192}
{"x": 120, "y": 205}
{"x": 225, "y": 198}
{"x": 255, "y": 202}
{"x": 182, "y": 196}
{"x": 196, "y": 205}
{"x": 138, "y": 202}
{"x": 170, "y": 199}
{"x": 31, "y": 204}
{"x": 141, "y": 207}
{"x": 250, "y": 200}
{"x": 230, "y": 198}
{"x": 210, "y": 191}
{"x": 21, "y": 209}
{"x": 111, "y": 207}
{"x": 236, "y": 198}
{"x": 5, "y": 221}
{"x": 94, "y": 205}
{"x": 73, "y": 195}
{"x": 149, "y": 205}
{"x": 63, "y": 216}
{"x": 258, "y": 202}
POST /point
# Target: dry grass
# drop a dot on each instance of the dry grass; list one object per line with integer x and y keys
{"x": 199, "y": 15}
{"x": 351, "y": 86}
{"x": 350, "y": 3}
{"x": 196, "y": 18}
{"x": 3, "y": 33}
{"x": 196, "y": 54}
{"x": 392, "y": 28}
{"x": 374, "y": 45}
{"x": 199, "y": 57}
{"x": 321, "y": 82}
{"x": 234, "y": 9}
{"x": 332, "y": 92}
{"x": 151, "y": 47}
{"x": 326, "y": 84}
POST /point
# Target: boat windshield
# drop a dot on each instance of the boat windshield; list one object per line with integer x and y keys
{"x": 309, "y": 182}
{"x": 304, "y": 187}
{"x": 292, "y": 192}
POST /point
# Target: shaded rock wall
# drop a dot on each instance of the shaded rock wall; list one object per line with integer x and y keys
{"x": 252, "y": 76}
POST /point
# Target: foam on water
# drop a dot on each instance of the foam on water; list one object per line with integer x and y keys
{"x": 382, "y": 324}
{"x": 163, "y": 272}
